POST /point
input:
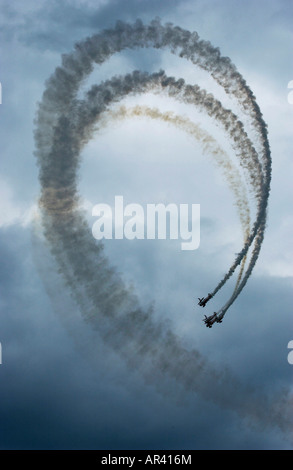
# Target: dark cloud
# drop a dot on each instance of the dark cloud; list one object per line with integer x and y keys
{"x": 61, "y": 386}
{"x": 62, "y": 389}
{"x": 56, "y": 25}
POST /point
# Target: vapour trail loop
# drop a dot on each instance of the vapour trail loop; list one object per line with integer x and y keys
{"x": 64, "y": 124}
{"x": 101, "y": 96}
{"x": 100, "y": 47}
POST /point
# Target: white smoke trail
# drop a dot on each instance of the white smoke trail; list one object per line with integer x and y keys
{"x": 63, "y": 125}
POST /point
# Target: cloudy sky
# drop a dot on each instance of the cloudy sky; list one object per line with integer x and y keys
{"x": 67, "y": 383}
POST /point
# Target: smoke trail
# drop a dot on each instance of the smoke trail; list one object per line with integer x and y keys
{"x": 258, "y": 242}
{"x": 64, "y": 124}
{"x": 112, "y": 90}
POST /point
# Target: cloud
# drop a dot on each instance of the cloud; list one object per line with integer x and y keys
{"x": 65, "y": 388}
{"x": 11, "y": 212}
{"x": 71, "y": 387}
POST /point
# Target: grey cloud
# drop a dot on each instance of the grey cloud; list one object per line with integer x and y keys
{"x": 54, "y": 399}
{"x": 130, "y": 330}
{"x": 63, "y": 391}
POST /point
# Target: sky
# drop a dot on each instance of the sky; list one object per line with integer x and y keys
{"x": 107, "y": 349}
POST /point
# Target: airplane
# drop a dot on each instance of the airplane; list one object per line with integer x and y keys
{"x": 209, "y": 321}
{"x": 202, "y": 301}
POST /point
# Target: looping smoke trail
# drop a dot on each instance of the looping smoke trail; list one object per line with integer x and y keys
{"x": 112, "y": 90}
{"x": 77, "y": 65}
{"x": 63, "y": 125}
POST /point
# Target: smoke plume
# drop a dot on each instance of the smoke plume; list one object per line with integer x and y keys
{"x": 65, "y": 123}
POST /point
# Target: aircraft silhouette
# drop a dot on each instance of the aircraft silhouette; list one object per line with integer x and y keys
{"x": 202, "y": 301}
